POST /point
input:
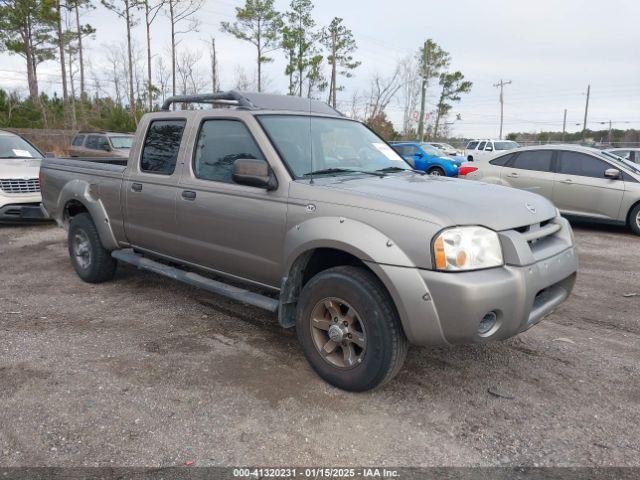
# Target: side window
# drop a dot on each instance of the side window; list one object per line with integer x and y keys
{"x": 472, "y": 145}
{"x": 410, "y": 150}
{"x": 501, "y": 161}
{"x": 103, "y": 144}
{"x": 481, "y": 146}
{"x": 161, "y": 146}
{"x": 220, "y": 143}
{"x": 575, "y": 163}
{"x": 489, "y": 147}
{"x": 77, "y": 140}
{"x": 92, "y": 142}
{"x": 538, "y": 160}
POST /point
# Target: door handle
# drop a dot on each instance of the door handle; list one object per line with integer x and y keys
{"x": 188, "y": 195}
{"x": 136, "y": 187}
{"x": 567, "y": 181}
{"x": 513, "y": 175}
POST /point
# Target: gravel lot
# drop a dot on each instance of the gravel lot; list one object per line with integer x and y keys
{"x": 145, "y": 371}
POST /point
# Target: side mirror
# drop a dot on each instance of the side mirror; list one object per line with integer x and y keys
{"x": 488, "y": 149}
{"x": 612, "y": 173}
{"x": 254, "y": 173}
{"x": 419, "y": 155}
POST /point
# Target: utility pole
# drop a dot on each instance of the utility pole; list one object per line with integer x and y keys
{"x": 586, "y": 112}
{"x": 423, "y": 95}
{"x": 214, "y": 67}
{"x": 564, "y": 124}
{"x": 501, "y": 85}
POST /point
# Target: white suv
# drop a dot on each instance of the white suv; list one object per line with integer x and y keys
{"x": 485, "y": 149}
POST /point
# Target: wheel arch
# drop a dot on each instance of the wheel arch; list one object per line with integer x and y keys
{"x": 628, "y": 217}
{"x": 78, "y": 197}
{"x": 345, "y": 242}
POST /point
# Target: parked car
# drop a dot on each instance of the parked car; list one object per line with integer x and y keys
{"x": 101, "y": 144}
{"x": 479, "y": 150}
{"x": 361, "y": 253}
{"x": 631, "y": 154}
{"x": 580, "y": 181}
{"x": 445, "y": 147}
{"x": 424, "y": 157}
{"x": 20, "y": 197}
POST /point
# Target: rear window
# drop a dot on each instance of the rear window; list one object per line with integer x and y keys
{"x": 77, "y": 141}
{"x": 161, "y": 146}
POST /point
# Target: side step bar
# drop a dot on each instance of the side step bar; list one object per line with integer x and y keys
{"x": 235, "y": 293}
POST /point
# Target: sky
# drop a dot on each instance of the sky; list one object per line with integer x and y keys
{"x": 549, "y": 49}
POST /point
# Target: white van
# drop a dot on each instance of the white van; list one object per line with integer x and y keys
{"x": 485, "y": 149}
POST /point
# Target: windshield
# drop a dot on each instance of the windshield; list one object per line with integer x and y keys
{"x": 331, "y": 146}
{"x": 505, "y": 145}
{"x": 12, "y": 146}
{"x": 121, "y": 142}
{"x": 622, "y": 162}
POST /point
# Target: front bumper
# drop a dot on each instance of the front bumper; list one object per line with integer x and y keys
{"x": 26, "y": 212}
{"x": 439, "y": 308}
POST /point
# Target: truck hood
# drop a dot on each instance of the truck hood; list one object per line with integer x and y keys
{"x": 450, "y": 201}
{"x": 21, "y": 168}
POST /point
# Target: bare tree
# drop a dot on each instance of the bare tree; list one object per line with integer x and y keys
{"x": 191, "y": 81}
{"x": 381, "y": 92}
{"x": 180, "y": 12}
{"x": 163, "y": 77}
{"x": 242, "y": 82}
{"x": 409, "y": 92}
{"x": 151, "y": 10}
{"x": 125, "y": 10}
{"x": 116, "y": 68}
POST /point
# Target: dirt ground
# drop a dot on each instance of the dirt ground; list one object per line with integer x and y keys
{"x": 145, "y": 371}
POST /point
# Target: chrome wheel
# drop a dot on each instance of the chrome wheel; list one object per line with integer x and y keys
{"x": 638, "y": 219}
{"x": 82, "y": 249}
{"x": 435, "y": 173}
{"x": 338, "y": 333}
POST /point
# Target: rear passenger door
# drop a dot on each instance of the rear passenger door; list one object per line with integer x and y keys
{"x": 233, "y": 229}
{"x": 151, "y": 185}
{"x": 580, "y": 187}
{"x": 531, "y": 170}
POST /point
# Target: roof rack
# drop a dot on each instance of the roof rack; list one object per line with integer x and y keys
{"x": 255, "y": 101}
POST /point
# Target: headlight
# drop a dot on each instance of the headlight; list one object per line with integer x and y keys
{"x": 467, "y": 248}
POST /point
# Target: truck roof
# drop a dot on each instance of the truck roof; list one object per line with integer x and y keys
{"x": 256, "y": 102}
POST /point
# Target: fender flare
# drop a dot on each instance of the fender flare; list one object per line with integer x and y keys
{"x": 84, "y": 193}
{"x": 362, "y": 241}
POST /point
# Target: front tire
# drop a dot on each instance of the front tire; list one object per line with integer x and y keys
{"x": 634, "y": 219}
{"x": 349, "y": 329}
{"x": 91, "y": 261}
{"x": 436, "y": 172}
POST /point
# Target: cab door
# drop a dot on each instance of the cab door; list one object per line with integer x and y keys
{"x": 150, "y": 188}
{"x": 580, "y": 187}
{"x": 233, "y": 229}
{"x": 531, "y": 170}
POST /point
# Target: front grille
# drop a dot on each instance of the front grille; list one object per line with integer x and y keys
{"x": 16, "y": 185}
{"x": 539, "y": 231}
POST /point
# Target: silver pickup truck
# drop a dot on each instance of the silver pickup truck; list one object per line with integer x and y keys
{"x": 338, "y": 235}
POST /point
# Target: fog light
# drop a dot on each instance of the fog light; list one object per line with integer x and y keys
{"x": 487, "y": 323}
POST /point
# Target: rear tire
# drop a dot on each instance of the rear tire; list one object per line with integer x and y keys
{"x": 470, "y": 158}
{"x": 634, "y": 219}
{"x": 436, "y": 172}
{"x": 91, "y": 261}
{"x": 349, "y": 329}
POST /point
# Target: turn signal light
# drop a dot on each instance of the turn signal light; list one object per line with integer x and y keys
{"x": 466, "y": 170}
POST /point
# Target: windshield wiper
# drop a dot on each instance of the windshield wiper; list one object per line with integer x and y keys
{"x": 393, "y": 169}
{"x": 325, "y": 171}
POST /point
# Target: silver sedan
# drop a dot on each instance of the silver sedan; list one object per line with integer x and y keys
{"x": 580, "y": 181}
